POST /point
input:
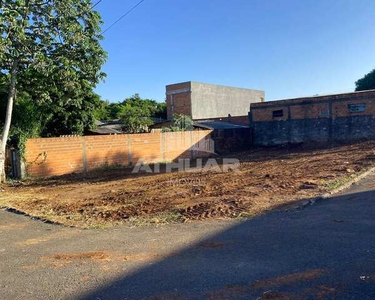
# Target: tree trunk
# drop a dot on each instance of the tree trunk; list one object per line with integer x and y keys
{"x": 2, "y": 167}
{"x": 8, "y": 118}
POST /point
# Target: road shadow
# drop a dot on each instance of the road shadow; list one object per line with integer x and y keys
{"x": 323, "y": 251}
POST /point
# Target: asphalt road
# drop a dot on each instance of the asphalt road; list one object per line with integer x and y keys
{"x": 324, "y": 251}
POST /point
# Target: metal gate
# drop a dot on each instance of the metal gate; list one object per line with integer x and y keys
{"x": 13, "y": 164}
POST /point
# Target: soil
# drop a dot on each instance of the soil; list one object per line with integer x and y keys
{"x": 267, "y": 179}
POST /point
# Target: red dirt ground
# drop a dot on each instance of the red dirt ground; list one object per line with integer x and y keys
{"x": 267, "y": 179}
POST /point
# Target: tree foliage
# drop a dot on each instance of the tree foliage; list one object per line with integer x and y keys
{"x": 33, "y": 118}
{"x": 72, "y": 117}
{"x": 111, "y": 111}
{"x": 135, "y": 113}
{"x": 27, "y": 118}
{"x": 49, "y": 49}
{"x": 180, "y": 122}
{"x": 367, "y": 82}
{"x": 135, "y": 119}
{"x": 58, "y": 41}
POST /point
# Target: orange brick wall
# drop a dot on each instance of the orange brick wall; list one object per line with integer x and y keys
{"x": 311, "y": 107}
{"x": 180, "y": 102}
{"x": 57, "y": 156}
{"x": 146, "y": 147}
{"x": 323, "y": 118}
{"x": 105, "y": 150}
{"x": 309, "y": 111}
{"x": 54, "y": 156}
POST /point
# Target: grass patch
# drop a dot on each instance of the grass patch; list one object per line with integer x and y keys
{"x": 107, "y": 167}
{"x": 243, "y": 216}
{"x": 339, "y": 182}
{"x": 161, "y": 219}
{"x": 99, "y": 226}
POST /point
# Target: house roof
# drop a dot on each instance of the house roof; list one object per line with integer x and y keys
{"x": 210, "y": 84}
{"x": 316, "y": 98}
{"x": 218, "y": 125}
{"x": 161, "y": 124}
{"x": 157, "y": 120}
{"x": 111, "y": 127}
{"x": 105, "y": 130}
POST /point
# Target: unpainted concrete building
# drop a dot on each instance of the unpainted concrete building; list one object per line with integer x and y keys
{"x": 339, "y": 117}
{"x": 204, "y": 101}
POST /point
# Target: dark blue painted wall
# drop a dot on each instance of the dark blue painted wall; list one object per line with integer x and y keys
{"x": 320, "y": 129}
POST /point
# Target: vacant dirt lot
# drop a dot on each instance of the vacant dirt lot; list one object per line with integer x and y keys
{"x": 267, "y": 179}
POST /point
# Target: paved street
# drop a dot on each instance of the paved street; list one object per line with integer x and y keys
{"x": 324, "y": 251}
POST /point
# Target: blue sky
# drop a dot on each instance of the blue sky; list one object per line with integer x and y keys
{"x": 288, "y": 48}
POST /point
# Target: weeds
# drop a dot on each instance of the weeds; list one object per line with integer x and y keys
{"x": 161, "y": 219}
{"x": 243, "y": 216}
{"x": 338, "y": 182}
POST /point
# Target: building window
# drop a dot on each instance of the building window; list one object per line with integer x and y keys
{"x": 324, "y": 113}
{"x": 278, "y": 113}
{"x": 357, "y": 108}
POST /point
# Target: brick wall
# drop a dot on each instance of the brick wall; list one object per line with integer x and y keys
{"x": 57, "y": 156}
{"x": 324, "y": 118}
{"x": 178, "y": 99}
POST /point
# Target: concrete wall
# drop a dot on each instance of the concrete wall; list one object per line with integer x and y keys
{"x": 216, "y": 101}
{"x": 204, "y": 101}
{"x": 324, "y": 118}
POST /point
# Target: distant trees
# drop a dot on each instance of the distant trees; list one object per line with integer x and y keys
{"x": 367, "y": 82}
{"x": 135, "y": 113}
{"x": 148, "y": 107}
{"x": 135, "y": 119}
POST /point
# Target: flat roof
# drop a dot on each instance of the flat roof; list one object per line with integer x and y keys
{"x": 220, "y": 85}
{"x": 311, "y": 98}
{"x": 218, "y": 125}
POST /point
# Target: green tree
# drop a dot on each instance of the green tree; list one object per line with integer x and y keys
{"x": 366, "y": 83}
{"x": 135, "y": 119}
{"x": 74, "y": 117}
{"x": 110, "y": 111}
{"x": 55, "y": 41}
{"x": 101, "y": 113}
{"x": 27, "y": 117}
{"x": 114, "y": 110}
{"x": 32, "y": 118}
{"x": 135, "y": 113}
{"x": 180, "y": 123}
{"x": 148, "y": 106}
{"x": 161, "y": 111}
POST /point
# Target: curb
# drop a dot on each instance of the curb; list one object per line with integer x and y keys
{"x": 337, "y": 190}
{"x": 349, "y": 183}
{"x": 21, "y": 213}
